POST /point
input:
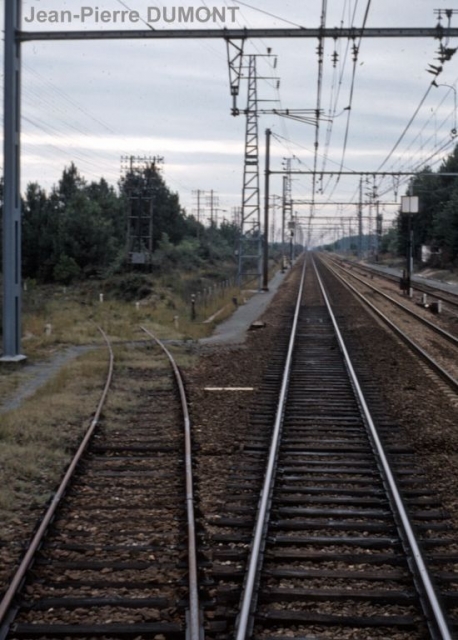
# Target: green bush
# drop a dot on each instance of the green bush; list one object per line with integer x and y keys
{"x": 129, "y": 287}
{"x": 66, "y": 270}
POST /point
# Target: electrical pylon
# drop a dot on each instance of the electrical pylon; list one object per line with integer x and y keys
{"x": 250, "y": 240}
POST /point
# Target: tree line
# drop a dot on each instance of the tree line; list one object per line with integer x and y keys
{"x": 79, "y": 229}
{"x": 436, "y": 224}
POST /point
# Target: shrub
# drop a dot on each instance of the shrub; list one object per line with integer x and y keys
{"x": 66, "y": 270}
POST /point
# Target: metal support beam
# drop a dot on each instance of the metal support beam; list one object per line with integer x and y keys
{"x": 347, "y": 204}
{"x": 12, "y": 196}
{"x": 447, "y": 174}
{"x": 265, "y": 264}
{"x": 240, "y": 34}
{"x": 250, "y": 247}
{"x": 235, "y": 59}
{"x": 283, "y": 224}
{"x": 12, "y": 203}
{"x": 337, "y": 218}
{"x": 360, "y": 219}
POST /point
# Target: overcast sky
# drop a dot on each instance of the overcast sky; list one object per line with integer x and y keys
{"x": 92, "y": 102}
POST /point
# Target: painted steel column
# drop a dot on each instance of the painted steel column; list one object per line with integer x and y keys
{"x": 283, "y": 223}
{"x": 12, "y": 196}
{"x": 265, "y": 270}
{"x": 360, "y": 220}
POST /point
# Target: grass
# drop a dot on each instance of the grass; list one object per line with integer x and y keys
{"x": 73, "y": 314}
{"x": 37, "y": 439}
{"x": 74, "y": 321}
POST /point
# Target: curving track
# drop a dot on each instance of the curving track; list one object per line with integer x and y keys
{"x": 329, "y": 529}
{"x": 112, "y": 556}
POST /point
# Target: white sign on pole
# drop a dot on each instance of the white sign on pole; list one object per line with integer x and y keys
{"x": 409, "y": 204}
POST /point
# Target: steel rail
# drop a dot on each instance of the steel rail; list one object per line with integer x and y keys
{"x": 439, "y": 294}
{"x": 442, "y": 332}
{"x": 16, "y": 582}
{"x": 245, "y": 615}
{"x": 404, "y": 337}
{"x": 417, "y": 556}
{"x": 195, "y": 629}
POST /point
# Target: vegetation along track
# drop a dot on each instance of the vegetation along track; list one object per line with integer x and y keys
{"x": 115, "y": 553}
{"x": 347, "y": 534}
{"x": 436, "y": 346}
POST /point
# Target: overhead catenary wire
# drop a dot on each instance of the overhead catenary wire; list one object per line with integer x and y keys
{"x": 352, "y": 89}
{"x": 437, "y": 127}
{"x": 343, "y": 64}
{"x": 406, "y": 128}
{"x": 436, "y": 150}
{"x": 321, "y": 48}
{"x": 267, "y": 13}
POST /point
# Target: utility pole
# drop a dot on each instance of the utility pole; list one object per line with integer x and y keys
{"x": 250, "y": 255}
{"x": 378, "y": 230}
{"x": 291, "y": 226}
{"x": 212, "y": 207}
{"x": 287, "y": 205}
{"x": 197, "y": 194}
{"x": 283, "y": 216}
{"x": 360, "y": 219}
{"x": 274, "y": 198}
{"x": 15, "y": 36}
{"x": 236, "y": 216}
{"x": 265, "y": 272}
{"x": 12, "y": 195}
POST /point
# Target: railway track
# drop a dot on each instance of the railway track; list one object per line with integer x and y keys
{"x": 323, "y": 533}
{"x": 449, "y": 337}
{"x": 437, "y": 294}
{"x": 347, "y": 541}
{"x": 115, "y": 554}
{"x": 439, "y": 355}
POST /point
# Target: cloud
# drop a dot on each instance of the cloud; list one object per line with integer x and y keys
{"x": 92, "y": 102}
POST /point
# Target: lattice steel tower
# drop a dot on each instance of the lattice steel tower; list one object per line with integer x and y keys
{"x": 250, "y": 243}
{"x": 139, "y": 186}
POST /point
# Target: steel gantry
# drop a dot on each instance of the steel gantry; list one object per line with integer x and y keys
{"x": 250, "y": 247}
{"x": 15, "y": 36}
{"x": 251, "y": 239}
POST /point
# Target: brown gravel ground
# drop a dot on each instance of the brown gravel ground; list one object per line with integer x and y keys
{"x": 218, "y": 427}
{"x": 220, "y": 419}
{"x": 421, "y": 405}
{"x": 415, "y": 401}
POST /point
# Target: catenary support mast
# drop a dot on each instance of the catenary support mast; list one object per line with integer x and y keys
{"x": 250, "y": 248}
{"x": 12, "y": 114}
{"x": 12, "y": 196}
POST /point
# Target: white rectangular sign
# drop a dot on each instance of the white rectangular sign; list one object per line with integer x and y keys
{"x": 409, "y": 204}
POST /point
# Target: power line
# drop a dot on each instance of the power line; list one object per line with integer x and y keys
{"x": 407, "y": 127}
{"x": 352, "y": 87}
{"x": 267, "y": 13}
{"x": 320, "y": 50}
{"x": 341, "y": 75}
